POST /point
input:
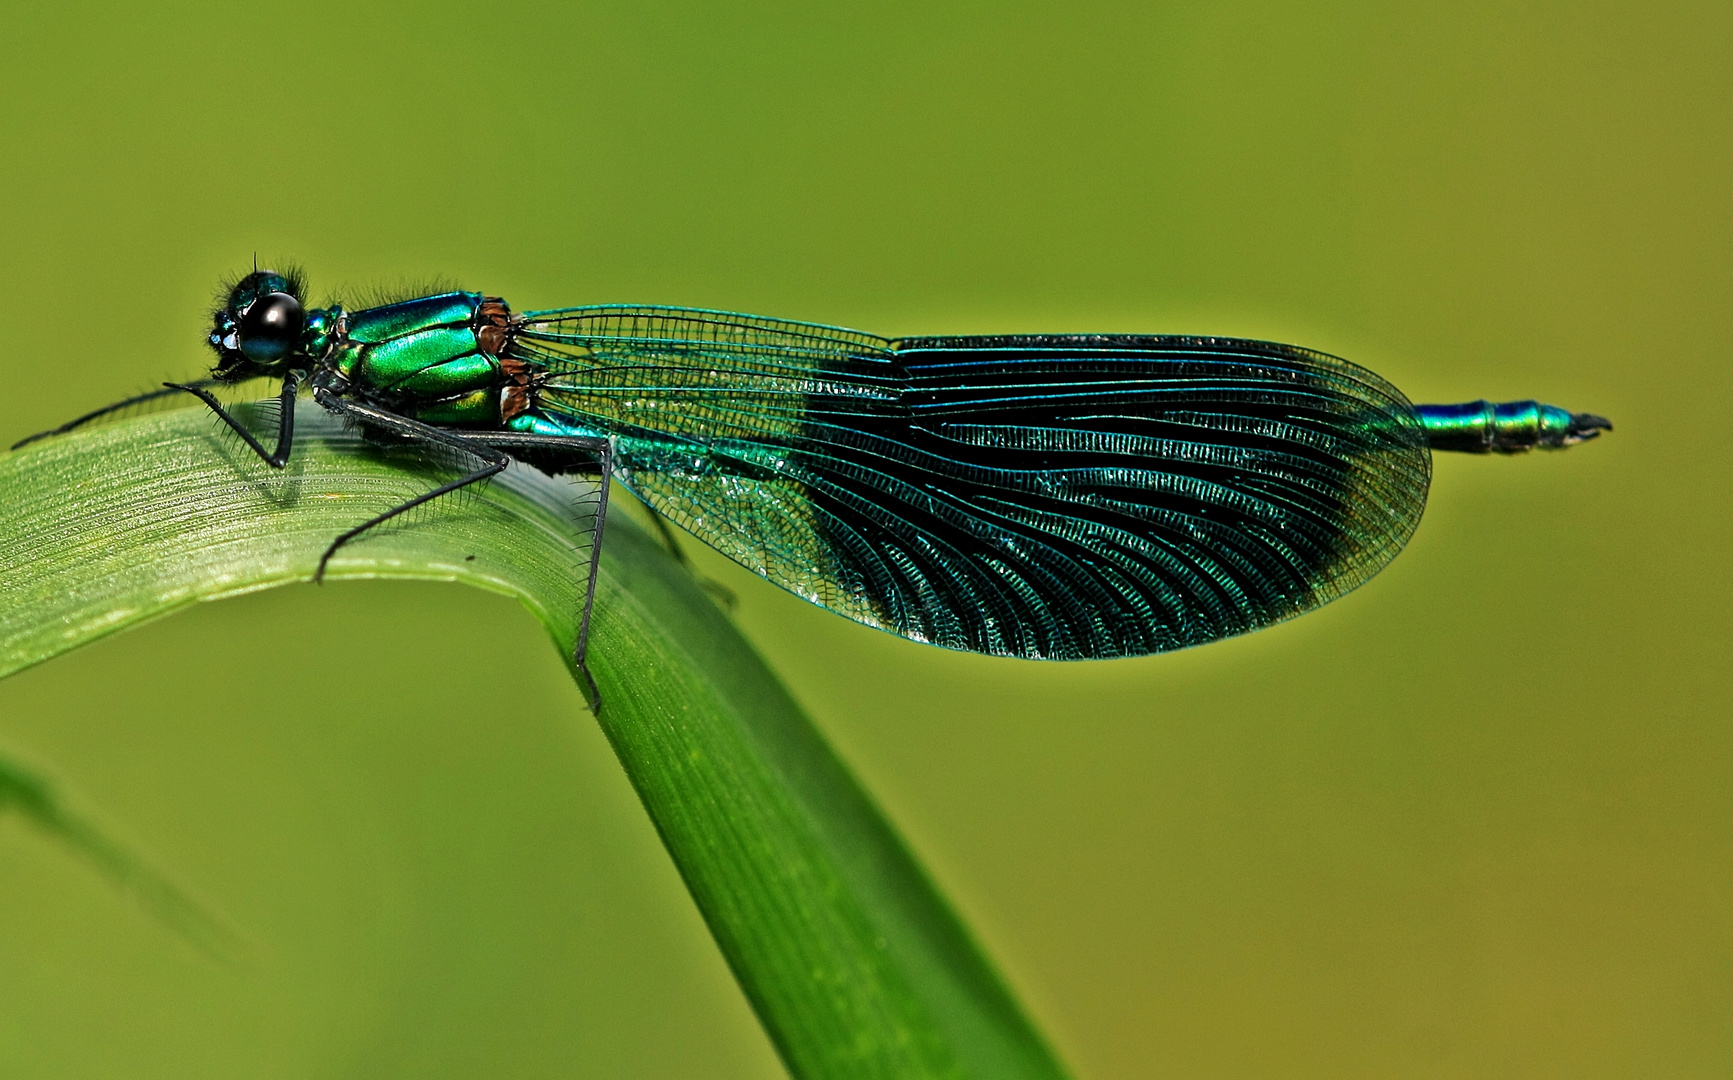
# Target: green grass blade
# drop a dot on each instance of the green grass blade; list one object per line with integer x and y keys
{"x": 34, "y": 798}
{"x": 854, "y": 963}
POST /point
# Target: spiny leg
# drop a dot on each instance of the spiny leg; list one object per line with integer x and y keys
{"x": 277, "y": 458}
{"x": 137, "y": 399}
{"x": 488, "y": 446}
{"x": 556, "y": 451}
{"x": 410, "y": 429}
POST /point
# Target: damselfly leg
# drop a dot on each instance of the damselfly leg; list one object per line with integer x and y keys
{"x": 495, "y": 461}
{"x": 277, "y": 458}
{"x": 560, "y": 455}
{"x": 555, "y": 454}
{"x": 169, "y": 390}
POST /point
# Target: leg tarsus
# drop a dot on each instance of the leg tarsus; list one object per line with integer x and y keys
{"x": 136, "y": 399}
{"x": 587, "y": 687}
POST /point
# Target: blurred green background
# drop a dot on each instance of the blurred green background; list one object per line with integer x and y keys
{"x": 1471, "y": 821}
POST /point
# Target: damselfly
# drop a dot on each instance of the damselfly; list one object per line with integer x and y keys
{"x": 1047, "y": 496}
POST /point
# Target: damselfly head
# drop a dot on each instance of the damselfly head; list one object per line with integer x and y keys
{"x": 258, "y": 329}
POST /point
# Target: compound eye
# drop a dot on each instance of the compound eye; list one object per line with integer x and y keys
{"x": 271, "y": 327}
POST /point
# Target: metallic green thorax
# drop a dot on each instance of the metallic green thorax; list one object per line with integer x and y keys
{"x": 424, "y": 356}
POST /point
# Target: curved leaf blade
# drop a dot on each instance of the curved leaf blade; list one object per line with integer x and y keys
{"x": 854, "y": 962}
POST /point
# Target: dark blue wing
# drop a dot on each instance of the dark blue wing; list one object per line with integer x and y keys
{"x": 1061, "y": 496}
